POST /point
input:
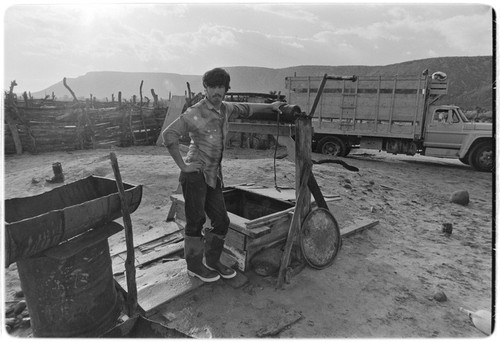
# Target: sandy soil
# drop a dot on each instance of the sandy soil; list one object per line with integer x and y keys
{"x": 383, "y": 280}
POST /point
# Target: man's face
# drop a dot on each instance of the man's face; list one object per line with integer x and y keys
{"x": 215, "y": 94}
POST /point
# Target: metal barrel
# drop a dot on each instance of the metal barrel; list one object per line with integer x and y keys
{"x": 73, "y": 296}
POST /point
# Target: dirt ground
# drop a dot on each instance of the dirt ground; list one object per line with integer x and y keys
{"x": 384, "y": 279}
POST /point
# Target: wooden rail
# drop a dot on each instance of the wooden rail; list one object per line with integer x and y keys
{"x": 79, "y": 127}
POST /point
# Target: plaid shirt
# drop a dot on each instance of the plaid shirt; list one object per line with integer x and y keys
{"x": 207, "y": 129}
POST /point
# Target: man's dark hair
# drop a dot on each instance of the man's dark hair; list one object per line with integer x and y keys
{"x": 216, "y": 77}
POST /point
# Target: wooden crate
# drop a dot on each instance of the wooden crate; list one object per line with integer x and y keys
{"x": 258, "y": 221}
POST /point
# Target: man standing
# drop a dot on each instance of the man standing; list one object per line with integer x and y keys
{"x": 206, "y": 122}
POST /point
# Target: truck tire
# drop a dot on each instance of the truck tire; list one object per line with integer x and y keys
{"x": 481, "y": 157}
{"x": 332, "y": 146}
{"x": 348, "y": 149}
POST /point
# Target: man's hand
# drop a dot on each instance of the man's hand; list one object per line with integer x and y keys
{"x": 174, "y": 151}
{"x": 276, "y": 105}
{"x": 192, "y": 167}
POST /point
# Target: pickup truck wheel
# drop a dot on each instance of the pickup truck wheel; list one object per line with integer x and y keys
{"x": 332, "y": 146}
{"x": 481, "y": 157}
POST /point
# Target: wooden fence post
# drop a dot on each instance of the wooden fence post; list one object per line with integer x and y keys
{"x": 10, "y": 115}
{"x": 155, "y": 98}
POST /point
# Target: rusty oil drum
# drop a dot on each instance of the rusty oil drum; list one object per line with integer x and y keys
{"x": 72, "y": 296}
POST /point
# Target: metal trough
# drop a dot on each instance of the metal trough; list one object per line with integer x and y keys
{"x": 36, "y": 223}
{"x": 58, "y": 240}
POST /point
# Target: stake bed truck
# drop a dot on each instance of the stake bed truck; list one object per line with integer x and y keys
{"x": 396, "y": 114}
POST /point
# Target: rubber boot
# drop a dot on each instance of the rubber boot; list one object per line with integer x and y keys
{"x": 193, "y": 252}
{"x": 214, "y": 244}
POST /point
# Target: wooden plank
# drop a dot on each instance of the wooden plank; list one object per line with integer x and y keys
{"x": 283, "y": 194}
{"x": 162, "y": 283}
{"x": 358, "y": 226}
{"x": 232, "y": 256}
{"x": 268, "y": 219}
{"x": 166, "y": 239}
{"x": 146, "y": 256}
{"x": 150, "y": 235}
{"x": 160, "y": 252}
{"x": 236, "y": 239}
{"x": 316, "y": 191}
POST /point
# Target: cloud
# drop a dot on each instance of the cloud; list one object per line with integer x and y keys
{"x": 291, "y": 12}
{"x": 215, "y": 35}
{"x": 185, "y": 38}
{"x": 294, "y": 44}
{"x": 465, "y": 34}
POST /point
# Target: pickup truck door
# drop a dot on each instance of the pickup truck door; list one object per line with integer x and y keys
{"x": 445, "y": 129}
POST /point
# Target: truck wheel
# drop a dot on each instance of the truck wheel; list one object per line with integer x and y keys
{"x": 347, "y": 149}
{"x": 481, "y": 157}
{"x": 332, "y": 146}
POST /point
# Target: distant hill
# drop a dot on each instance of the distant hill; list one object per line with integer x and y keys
{"x": 470, "y": 80}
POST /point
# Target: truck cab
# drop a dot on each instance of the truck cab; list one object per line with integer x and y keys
{"x": 449, "y": 134}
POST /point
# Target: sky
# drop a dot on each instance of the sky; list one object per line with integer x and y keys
{"x": 43, "y": 43}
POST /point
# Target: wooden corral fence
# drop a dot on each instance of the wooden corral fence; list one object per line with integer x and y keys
{"x": 66, "y": 126}
{"x": 78, "y": 127}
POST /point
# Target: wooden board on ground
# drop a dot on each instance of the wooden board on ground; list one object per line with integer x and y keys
{"x": 150, "y": 251}
{"x": 160, "y": 283}
{"x": 150, "y": 235}
{"x": 357, "y": 226}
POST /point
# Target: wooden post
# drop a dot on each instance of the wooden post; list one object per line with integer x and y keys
{"x": 155, "y": 98}
{"x": 303, "y": 164}
{"x": 189, "y": 93}
{"x": 142, "y": 115}
{"x": 303, "y": 148}
{"x": 140, "y": 92}
{"x": 129, "y": 240}
{"x": 10, "y": 115}
{"x": 69, "y": 89}
{"x": 318, "y": 95}
{"x": 25, "y": 97}
{"x": 302, "y": 200}
{"x": 303, "y": 171}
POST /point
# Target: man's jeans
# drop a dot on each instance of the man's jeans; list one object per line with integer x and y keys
{"x": 201, "y": 201}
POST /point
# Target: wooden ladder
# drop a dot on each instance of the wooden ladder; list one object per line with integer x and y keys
{"x": 351, "y": 105}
